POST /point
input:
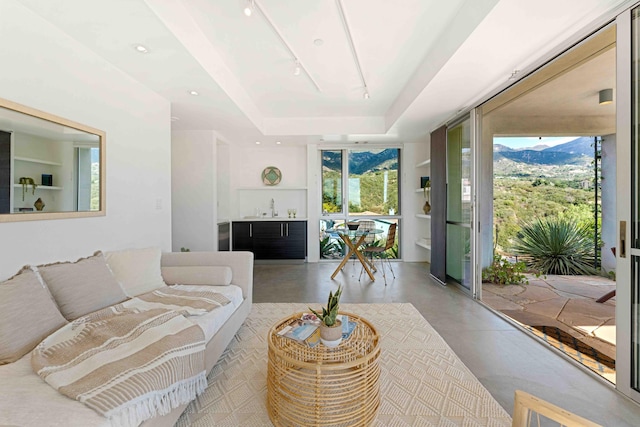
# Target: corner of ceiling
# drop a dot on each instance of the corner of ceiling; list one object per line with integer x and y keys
{"x": 470, "y": 15}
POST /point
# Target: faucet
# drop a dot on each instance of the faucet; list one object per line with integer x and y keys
{"x": 273, "y": 209}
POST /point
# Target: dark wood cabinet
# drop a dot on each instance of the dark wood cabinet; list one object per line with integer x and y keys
{"x": 242, "y": 239}
{"x": 271, "y": 239}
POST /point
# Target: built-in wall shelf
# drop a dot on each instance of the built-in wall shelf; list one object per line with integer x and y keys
{"x": 272, "y": 188}
{"x": 41, "y": 162}
{"x": 424, "y": 243}
{"x": 425, "y": 163}
{"x": 38, "y": 187}
{"x": 423, "y": 216}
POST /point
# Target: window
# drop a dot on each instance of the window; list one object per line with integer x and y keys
{"x": 358, "y": 184}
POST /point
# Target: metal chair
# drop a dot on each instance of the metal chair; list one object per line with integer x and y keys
{"x": 380, "y": 250}
{"x": 366, "y": 225}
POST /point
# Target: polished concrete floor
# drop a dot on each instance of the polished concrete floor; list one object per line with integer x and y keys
{"x": 501, "y": 356}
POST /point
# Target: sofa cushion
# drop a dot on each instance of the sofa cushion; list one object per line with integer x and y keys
{"x": 83, "y": 286}
{"x": 197, "y": 275}
{"x": 137, "y": 270}
{"x": 28, "y": 314}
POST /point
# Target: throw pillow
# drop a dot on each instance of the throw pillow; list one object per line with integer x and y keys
{"x": 83, "y": 286}
{"x": 28, "y": 315}
{"x": 137, "y": 270}
{"x": 197, "y": 275}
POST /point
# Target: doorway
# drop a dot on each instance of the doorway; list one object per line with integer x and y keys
{"x": 562, "y": 110}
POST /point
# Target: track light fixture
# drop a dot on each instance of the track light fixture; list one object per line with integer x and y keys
{"x": 354, "y": 53}
{"x": 299, "y": 68}
{"x": 248, "y": 10}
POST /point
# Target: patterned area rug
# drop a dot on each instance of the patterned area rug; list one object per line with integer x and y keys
{"x": 423, "y": 382}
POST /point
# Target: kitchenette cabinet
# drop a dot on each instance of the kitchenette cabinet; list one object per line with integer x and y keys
{"x": 271, "y": 239}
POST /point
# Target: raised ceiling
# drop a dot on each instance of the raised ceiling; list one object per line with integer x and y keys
{"x": 422, "y": 60}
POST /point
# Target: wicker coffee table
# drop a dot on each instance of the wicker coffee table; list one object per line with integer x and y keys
{"x": 324, "y": 386}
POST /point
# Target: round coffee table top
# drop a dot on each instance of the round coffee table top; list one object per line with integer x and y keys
{"x": 363, "y": 343}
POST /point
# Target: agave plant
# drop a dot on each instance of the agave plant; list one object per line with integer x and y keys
{"x": 556, "y": 246}
{"x": 330, "y": 312}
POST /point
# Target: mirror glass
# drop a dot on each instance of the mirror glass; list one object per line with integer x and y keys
{"x": 50, "y": 167}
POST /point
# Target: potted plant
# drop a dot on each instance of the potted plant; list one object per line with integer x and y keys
{"x": 330, "y": 326}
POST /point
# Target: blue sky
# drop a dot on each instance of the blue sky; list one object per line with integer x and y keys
{"x": 522, "y": 142}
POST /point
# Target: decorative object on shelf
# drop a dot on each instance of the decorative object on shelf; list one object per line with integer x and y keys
{"x": 183, "y": 249}
{"x": 426, "y": 208}
{"x": 39, "y": 204}
{"x": 295, "y": 212}
{"x": 426, "y": 189}
{"x": 271, "y": 175}
{"x": 25, "y": 181}
{"x": 47, "y": 180}
{"x": 330, "y": 327}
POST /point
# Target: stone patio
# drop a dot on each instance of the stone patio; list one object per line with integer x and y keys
{"x": 566, "y": 302}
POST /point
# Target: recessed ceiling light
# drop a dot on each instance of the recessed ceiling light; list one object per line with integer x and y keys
{"x": 257, "y": 142}
{"x": 193, "y": 92}
{"x": 318, "y": 42}
{"x": 248, "y": 10}
{"x": 278, "y": 142}
{"x": 140, "y": 48}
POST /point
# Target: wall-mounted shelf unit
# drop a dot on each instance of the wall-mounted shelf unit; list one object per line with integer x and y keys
{"x": 424, "y": 228}
{"x": 424, "y": 243}
{"x": 39, "y": 187}
{"x": 38, "y": 161}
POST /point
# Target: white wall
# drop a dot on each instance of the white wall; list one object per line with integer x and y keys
{"x": 45, "y": 69}
{"x": 194, "y": 187}
{"x": 248, "y": 193}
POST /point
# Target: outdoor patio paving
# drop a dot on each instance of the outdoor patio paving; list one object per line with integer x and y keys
{"x": 566, "y": 302}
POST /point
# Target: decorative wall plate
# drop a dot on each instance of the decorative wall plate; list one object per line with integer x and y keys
{"x": 271, "y": 175}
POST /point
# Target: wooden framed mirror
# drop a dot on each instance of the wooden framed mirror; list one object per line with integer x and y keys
{"x": 50, "y": 167}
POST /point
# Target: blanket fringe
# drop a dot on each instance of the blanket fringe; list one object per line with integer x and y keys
{"x": 160, "y": 402}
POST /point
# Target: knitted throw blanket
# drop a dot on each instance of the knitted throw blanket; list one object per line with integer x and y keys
{"x": 126, "y": 363}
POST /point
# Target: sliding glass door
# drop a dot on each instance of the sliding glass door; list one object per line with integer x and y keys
{"x": 459, "y": 167}
{"x": 628, "y": 205}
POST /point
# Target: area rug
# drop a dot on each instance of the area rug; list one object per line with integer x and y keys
{"x": 422, "y": 383}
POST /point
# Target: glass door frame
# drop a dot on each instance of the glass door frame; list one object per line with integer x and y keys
{"x": 626, "y": 366}
{"x": 472, "y": 115}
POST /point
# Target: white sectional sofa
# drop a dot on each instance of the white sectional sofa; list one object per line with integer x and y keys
{"x": 39, "y": 301}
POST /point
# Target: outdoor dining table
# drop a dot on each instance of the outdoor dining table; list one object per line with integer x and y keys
{"x": 354, "y": 239}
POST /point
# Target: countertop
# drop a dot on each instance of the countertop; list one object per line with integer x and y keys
{"x": 267, "y": 218}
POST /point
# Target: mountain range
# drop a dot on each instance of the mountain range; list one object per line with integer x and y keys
{"x": 362, "y": 161}
{"x": 573, "y": 152}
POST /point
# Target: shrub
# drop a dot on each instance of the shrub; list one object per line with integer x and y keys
{"x": 556, "y": 246}
{"x": 503, "y": 272}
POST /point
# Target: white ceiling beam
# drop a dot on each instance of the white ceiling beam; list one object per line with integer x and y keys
{"x": 471, "y": 13}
